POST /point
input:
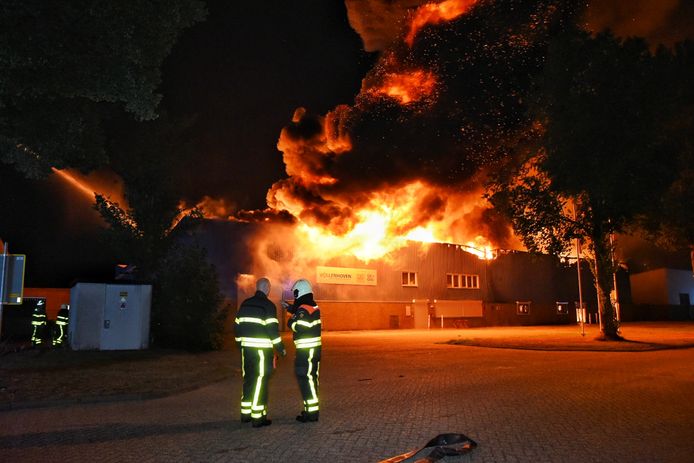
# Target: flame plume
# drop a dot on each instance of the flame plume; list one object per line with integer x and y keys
{"x": 435, "y": 13}
{"x": 408, "y": 160}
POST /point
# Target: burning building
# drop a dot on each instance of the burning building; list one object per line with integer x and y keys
{"x": 375, "y": 190}
{"x": 417, "y": 285}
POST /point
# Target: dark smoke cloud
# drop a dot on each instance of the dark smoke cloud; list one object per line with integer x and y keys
{"x": 381, "y": 22}
{"x": 659, "y": 22}
{"x": 482, "y": 62}
{"x": 265, "y": 215}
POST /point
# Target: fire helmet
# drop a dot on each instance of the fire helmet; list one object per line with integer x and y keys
{"x": 301, "y": 287}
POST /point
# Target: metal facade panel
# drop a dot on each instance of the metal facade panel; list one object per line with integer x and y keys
{"x": 100, "y": 321}
{"x": 452, "y": 309}
{"x": 430, "y": 261}
{"x": 86, "y": 315}
{"x": 126, "y": 309}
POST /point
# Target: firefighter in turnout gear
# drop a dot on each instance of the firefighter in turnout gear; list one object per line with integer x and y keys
{"x": 257, "y": 334}
{"x": 305, "y": 323}
{"x": 39, "y": 322}
{"x": 61, "y": 326}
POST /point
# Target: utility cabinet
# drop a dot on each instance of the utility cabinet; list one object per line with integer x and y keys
{"x": 107, "y": 316}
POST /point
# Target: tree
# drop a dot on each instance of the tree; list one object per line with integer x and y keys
{"x": 145, "y": 155}
{"x": 188, "y": 311}
{"x": 186, "y": 303}
{"x": 64, "y": 66}
{"x": 599, "y": 103}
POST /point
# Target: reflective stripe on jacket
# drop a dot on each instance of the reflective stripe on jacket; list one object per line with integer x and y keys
{"x": 306, "y": 325}
{"x": 256, "y": 323}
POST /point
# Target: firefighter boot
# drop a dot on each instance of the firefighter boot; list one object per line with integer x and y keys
{"x": 260, "y": 422}
{"x": 305, "y": 417}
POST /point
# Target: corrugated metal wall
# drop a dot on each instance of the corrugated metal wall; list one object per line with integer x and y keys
{"x": 431, "y": 263}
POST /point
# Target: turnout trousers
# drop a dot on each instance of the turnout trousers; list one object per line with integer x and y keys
{"x": 58, "y": 334}
{"x": 256, "y": 364}
{"x": 307, "y": 369}
{"x": 39, "y": 332}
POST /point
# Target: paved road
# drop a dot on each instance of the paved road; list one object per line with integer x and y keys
{"x": 384, "y": 393}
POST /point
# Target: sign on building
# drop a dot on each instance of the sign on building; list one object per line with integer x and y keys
{"x": 12, "y": 278}
{"x": 346, "y": 276}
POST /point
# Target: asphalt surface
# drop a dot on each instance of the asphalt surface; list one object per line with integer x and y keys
{"x": 388, "y": 392}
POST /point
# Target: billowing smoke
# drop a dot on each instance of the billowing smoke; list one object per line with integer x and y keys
{"x": 442, "y": 106}
{"x": 382, "y": 22}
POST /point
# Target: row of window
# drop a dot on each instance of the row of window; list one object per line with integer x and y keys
{"x": 453, "y": 280}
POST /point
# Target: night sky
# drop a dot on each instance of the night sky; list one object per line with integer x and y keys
{"x": 242, "y": 73}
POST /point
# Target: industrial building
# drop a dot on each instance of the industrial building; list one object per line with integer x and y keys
{"x": 663, "y": 294}
{"x": 418, "y": 286}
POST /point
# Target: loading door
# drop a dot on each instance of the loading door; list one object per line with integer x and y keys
{"x": 421, "y": 314}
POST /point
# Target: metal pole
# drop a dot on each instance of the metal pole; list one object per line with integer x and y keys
{"x": 580, "y": 290}
{"x": 2, "y": 282}
{"x": 614, "y": 279}
{"x": 578, "y": 271}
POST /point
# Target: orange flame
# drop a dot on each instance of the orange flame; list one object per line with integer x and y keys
{"x": 434, "y": 13}
{"x": 394, "y": 216}
{"x": 407, "y": 87}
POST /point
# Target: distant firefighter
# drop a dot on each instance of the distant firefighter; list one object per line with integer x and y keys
{"x": 305, "y": 322}
{"x": 39, "y": 323}
{"x": 61, "y": 322}
{"x": 257, "y": 333}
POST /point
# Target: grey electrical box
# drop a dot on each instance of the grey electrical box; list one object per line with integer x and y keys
{"x": 109, "y": 316}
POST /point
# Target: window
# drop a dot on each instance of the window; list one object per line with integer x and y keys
{"x": 458, "y": 280}
{"x": 522, "y": 307}
{"x": 562, "y": 308}
{"x": 409, "y": 278}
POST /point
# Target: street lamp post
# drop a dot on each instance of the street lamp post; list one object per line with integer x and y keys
{"x": 2, "y": 280}
{"x": 580, "y": 289}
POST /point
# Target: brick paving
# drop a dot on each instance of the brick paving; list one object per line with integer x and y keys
{"x": 388, "y": 392}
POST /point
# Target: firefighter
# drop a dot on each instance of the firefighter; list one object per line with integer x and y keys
{"x": 39, "y": 322}
{"x": 257, "y": 334}
{"x": 305, "y": 323}
{"x": 61, "y": 325}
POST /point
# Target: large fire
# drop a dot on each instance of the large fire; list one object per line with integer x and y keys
{"x": 393, "y": 216}
{"x": 333, "y": 214}
{"x": 333, "y": 217}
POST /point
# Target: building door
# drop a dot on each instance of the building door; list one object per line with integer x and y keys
{"x": 684, "y": 299}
